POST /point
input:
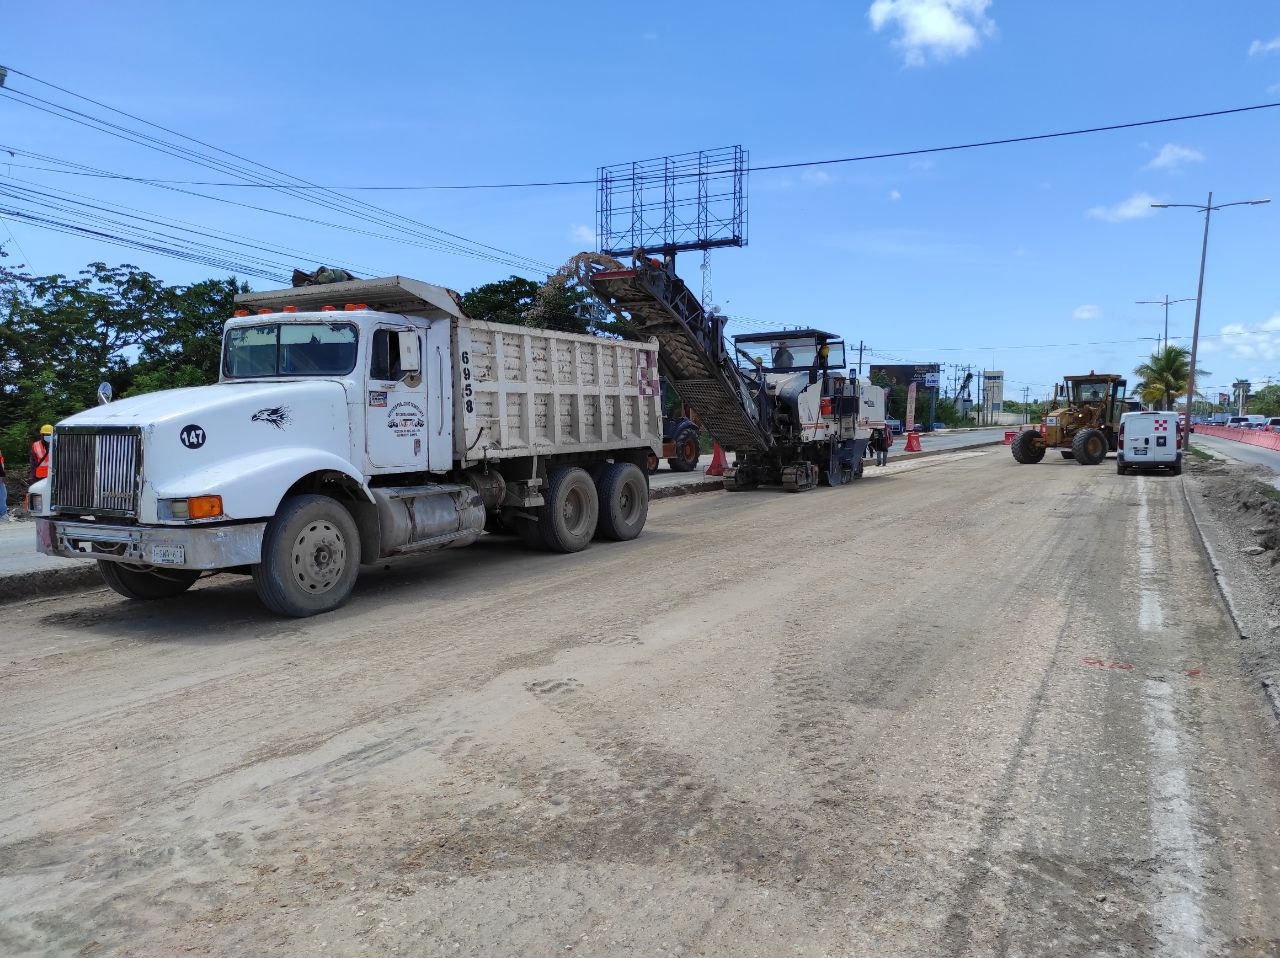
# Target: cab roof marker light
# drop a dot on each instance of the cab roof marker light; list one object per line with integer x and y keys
{"x": 328, "y": 309}
{"x": 352, "y": 307}
{"x": 265, "y": 312}
{"x": 242, "y": 312}
{"x": 291, "y": 309}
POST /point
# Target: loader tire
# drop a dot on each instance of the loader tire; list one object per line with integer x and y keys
{"x": 1025, "y": 447}
{"x": 139, "y": 582}
{"x": 568, "y": 518}
{"x": 310, "y": 557}
{"x": 1068, "y": 454}
{"x": 624, "y": 502}
{"x": 1089, "y": 447}
{"x": 687, "y": 452}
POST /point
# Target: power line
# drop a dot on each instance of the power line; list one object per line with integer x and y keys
{"x": 895, "y": 154}
{"x": 297, "y": 188}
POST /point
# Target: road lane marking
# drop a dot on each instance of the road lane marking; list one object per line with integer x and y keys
{"x": 1150, "y": 613}
{"x": 1176, "y": 837}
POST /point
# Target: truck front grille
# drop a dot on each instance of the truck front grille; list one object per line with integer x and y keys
{"x": 96, "y": 470}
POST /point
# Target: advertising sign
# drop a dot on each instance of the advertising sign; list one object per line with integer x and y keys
{"x": 905, "y": 374}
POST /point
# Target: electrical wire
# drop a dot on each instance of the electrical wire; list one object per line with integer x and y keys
{"x": 865, "y": 157}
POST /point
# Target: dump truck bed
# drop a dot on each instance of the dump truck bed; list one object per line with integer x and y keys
{"x": 520, "y": 391}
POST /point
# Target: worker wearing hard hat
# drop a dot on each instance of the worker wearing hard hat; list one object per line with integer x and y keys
{"x": 40, "y": 453}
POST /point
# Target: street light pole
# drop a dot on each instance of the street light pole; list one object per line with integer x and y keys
{"x": 1166, "y": 303}
{"x": 1207, "y": 209}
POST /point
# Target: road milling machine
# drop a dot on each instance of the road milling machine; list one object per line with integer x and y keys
{"x": 782, "y": 402}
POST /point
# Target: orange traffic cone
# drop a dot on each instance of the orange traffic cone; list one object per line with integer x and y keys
{"x": 718, "y": 461}
{"x": 913, "y": 442}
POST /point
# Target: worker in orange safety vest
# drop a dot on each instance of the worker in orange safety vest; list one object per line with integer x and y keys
{"x": 40, "y": 454}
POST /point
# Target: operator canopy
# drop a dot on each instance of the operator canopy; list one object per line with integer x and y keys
{"x": 792, "y": 349}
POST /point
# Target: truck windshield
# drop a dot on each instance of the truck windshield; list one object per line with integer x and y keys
{"x": 289, "y": 349}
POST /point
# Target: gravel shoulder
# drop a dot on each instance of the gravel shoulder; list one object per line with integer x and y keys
{"x": 961, "y": 707}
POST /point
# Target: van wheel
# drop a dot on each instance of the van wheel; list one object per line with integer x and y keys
{"x": 569, "y": 515}
{"x": 624, "y": 502}
{"x": 140, "y": 582}
{"x": 1176, "y": 468}
{"x": 310, "y": 557}
{"x": 1121, "y": 468}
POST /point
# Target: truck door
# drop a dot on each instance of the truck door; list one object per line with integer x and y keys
{"x": 396, "y": 401}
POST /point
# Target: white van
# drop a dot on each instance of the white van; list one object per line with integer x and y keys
{"x": 1149, "y": 440}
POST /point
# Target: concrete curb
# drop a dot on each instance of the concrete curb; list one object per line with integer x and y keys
{"x": 46, "y": 582}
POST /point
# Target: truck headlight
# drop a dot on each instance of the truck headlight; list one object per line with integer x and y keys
{"x": 35, "y": 503}
{"x": 196, "y": 507}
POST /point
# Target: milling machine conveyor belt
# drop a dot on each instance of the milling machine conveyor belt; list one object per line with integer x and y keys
{"x": 691, "y": 350}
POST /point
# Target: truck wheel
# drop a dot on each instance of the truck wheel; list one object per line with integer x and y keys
{"x": 1027, "y": 448}
{"x": 310, "y": 557}
{"x": 568, "y": 519}
{"x": 651, "y": 462}
{"x": 624, "y": 502}
{"x": 687, "y": 453}
{"x": 139, "y": 582}
{"x": 1089, "y": 447}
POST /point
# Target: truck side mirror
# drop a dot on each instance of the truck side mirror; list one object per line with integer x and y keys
{"x": 410, "y": 354}
{"x": 104, "y": 394}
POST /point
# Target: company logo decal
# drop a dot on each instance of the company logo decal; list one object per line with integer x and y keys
{"x": 378, "y": 398}
{"x": 192, "y": 436}
{"x": 278, "y": 416}
{"x": 406, "y": 419}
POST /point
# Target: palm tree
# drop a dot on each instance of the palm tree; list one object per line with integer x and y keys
{"x": 1163, "y": 377}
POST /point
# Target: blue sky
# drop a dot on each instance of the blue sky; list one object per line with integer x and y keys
{"x": 961, "y": 257}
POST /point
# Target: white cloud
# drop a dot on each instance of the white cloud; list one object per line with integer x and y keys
{"x": 1260, "y": 48}
{"x": 894, "y": 196}
{"x": 1260, "y": 342}
{"x": 1171, "y": 156}
{"x": 815, "y": 177}
{"x": 937, "y": 29}
{"x": 1086, "y": 312}
{"x": 1134, "y": 208}
{"x": 920, "y": 164}
{"x": 582, "y": 234}
{"x": 1274, "y": 89}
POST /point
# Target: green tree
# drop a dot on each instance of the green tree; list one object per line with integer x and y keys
{"x": 563, "y": 308}
{"x": 61, "y": 336}
{"x": 1163, "y": 377}
{"x": 1266, "y": 401}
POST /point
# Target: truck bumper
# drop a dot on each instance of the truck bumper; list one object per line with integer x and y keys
{"x": 200, "y": 547}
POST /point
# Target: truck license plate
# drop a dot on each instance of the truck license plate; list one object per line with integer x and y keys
{"x": 168, "y": 555}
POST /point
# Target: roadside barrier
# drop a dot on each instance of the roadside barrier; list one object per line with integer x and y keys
{"x": 718, "y": 461}
{"x": 913, "y": 442}
{"x": 1009, "y": 436}
{"x": 1250, "y": 437}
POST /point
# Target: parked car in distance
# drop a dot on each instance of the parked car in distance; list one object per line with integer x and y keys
{"x": 1237, "y": 422}
{"x": 894, "y": 425}
{"x": 939, "y": 425}
{"x": 1273, "y": 424}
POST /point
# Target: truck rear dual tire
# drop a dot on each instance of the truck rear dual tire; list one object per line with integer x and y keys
{"x": 623, "y": 494}
{"x": 310, "y": 557}
{"x": 139, "y": 582}
{"x": 567, "y": 521}
{"x": 1089, "y": 447}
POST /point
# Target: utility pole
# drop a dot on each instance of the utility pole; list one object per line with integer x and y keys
{"x": 1026, "y": 412}
{"x": 861, "y": 344}
{"x": 1166, "y": 303}
{"x": 1207, "y": 209}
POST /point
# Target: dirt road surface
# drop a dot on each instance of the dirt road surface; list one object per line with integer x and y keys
{"x": 962, "y": 707}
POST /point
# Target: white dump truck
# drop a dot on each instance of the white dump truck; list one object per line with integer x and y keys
{"x": 351, "y": 422}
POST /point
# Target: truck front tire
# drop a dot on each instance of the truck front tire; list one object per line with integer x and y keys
{"x": 687, "y": 451}
{"x": 310, "y": 557}
{"x": 136, "y": 582}
{"x": 570, "y": 511}
{"x": 624, "y": 502}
